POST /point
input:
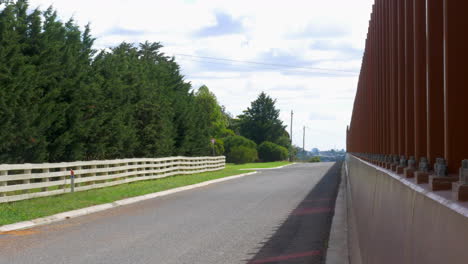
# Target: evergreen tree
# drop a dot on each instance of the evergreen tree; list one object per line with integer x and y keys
{"x": 260, "y": 122}
{"x": 207, "y": 121}
{"x": 21, "y": 138}
{"x": 62, "y": 101}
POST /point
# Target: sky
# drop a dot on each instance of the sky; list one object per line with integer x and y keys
{"x": 309, "y": 35}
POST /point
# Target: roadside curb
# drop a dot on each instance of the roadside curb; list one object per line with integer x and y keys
{"x": 260, "y": 169}
{"x": 102, "y": 207}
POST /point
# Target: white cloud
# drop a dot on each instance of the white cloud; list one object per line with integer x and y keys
{"x": 307, "y": 33}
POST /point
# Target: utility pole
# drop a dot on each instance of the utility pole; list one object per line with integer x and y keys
{"x": 291, "y": 135}
{"x": 303, "y": 141}
{"x": 292, "y": 114}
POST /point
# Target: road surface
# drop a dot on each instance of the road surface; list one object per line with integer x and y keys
{"x": 275, "y": 216}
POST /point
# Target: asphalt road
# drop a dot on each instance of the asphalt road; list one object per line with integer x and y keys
{"x": 275, "y": 216}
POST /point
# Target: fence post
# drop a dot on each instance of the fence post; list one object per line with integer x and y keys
{"x": 106, "y": 172}
{"x": 77, "y": 176}
{"x": 27, "y": 181}
{"x": 45, "y": 189}
{"x": 72, "y": 181}
{"x": 3, "y": 183}
{"x": 93, "y": 167}
{"x": 64, "y": 178}
{"x": 124, "y": 170}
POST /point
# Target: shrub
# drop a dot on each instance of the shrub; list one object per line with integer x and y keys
{"x": 269, "y": 151}
{"x": 314, "y": 159}
{"x": 283, "y": 141}
{"x": 219, "y": 147}
{"x": 232, "y": 142}
{"x": 242, "y": 154}
{"x": 227, "y": 132}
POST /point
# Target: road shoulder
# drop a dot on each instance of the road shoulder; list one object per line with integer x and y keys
{"x": 337, "y": 252}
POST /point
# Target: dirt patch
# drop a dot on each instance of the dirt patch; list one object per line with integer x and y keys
{"x": 20, "y": 232}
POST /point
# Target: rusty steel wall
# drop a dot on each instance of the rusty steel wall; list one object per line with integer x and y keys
{"x": 420, "y": 83}
{"x": 409, "y": 111}
{"x": 455, "y": 81}
{"x": 392, "y": 220}
{"x": 435, "y": 80}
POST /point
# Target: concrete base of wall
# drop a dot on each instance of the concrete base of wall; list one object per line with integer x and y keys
{"x": 393, "y": 220}
{"x": 337, "y": 252}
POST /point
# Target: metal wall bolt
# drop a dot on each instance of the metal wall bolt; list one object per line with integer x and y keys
{"x": 403, "y": 161}
{"x": 423, "y": 165}
{"x": 440, "y": 167}
{"x": 464, "y": 172}
{"x": 412, "y": 163}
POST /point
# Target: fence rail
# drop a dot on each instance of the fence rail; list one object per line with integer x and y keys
{"x": 26, "y": 181}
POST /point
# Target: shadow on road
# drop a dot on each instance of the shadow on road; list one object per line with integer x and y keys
{"x": 303, "y": 237}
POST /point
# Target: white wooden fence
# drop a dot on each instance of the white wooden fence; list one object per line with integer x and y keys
{"x": 25, "y": 181}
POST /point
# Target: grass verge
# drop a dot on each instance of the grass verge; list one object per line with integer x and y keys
{"x": 40, "y": 207}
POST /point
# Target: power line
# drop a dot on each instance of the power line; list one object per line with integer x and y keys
{"x": 270, "y": 67}
{"x": 256, "y": 66}
{"x": 265, "y": 64}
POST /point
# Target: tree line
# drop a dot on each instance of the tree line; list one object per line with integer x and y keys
{"x": 63, "y": 100}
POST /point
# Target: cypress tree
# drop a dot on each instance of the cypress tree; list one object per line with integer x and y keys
{"x": 60, "y": 100}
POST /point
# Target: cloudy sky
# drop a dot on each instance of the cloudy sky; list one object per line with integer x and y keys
{"x": 291, "y": 42}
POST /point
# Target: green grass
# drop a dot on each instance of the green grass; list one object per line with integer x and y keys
{"x": 40, "y": 207}
{"x": 263, "y": 165}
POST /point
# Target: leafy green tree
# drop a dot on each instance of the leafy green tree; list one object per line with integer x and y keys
{"x": 260, "y": 122}
{"x": 231, "y": 128}
{"x": 217, "y": 120}
{"x": 219, "y": 147}
{"x": 284, "y": 140}
{"x": 207, "y": 121}
{"x": 295, "y": 152}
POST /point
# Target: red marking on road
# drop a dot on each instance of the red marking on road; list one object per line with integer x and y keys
{"x": 287, "y": 257}
{"x": 306, "y": 211}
